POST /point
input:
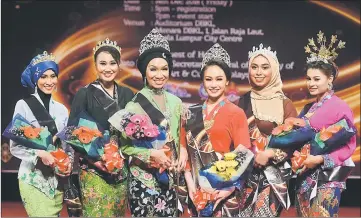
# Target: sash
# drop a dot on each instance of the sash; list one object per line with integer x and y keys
{"x": 197, "y": 138}
{"x": 41, "y": 114}
{"x": 157, "y": 118}
{"x": 109, "y": 105}
{"x": 44, "y": 119}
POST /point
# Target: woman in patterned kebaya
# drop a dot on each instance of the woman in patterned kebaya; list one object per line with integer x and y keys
{"x": 154, "y": 154}
{"x": 266, "y": 106}
{"x": 323, "y": 177}
{"x": 103, "y": 193}
{"x": 40, "y": 190}
{"x": 215, "y": 129}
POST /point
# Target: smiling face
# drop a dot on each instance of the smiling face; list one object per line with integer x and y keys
{"x": 157, "y": 73}
{"x": 215, "y": 81}
{"x": 106, "y": 66}
{"x": 47, "y": 82}
{"x": 317, "y": 81}
{"x": 260, "y": 72}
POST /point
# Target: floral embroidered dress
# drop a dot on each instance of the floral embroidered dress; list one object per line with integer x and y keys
{"x": 42, "y": 180}
{"x": 147, "y": 196}
{"x": 317, "y": 194}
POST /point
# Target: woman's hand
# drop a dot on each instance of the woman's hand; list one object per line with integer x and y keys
{"x": 312, "y": 162}
{"x": 263, "y": 157}
{"x": 67, "y": 172}
{"x": 159, "y": 156}
{"x": 190, "y": 184}
{"x": 46, "y": 158}
{"x": 223, "y": 194}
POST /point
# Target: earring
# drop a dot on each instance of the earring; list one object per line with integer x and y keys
{"x": 330, "y": 86}
{"x": 145, "y": 81}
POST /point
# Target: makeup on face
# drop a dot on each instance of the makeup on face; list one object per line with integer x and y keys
{"x": 157, "y": 73}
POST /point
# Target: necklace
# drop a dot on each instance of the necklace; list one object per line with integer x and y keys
{"x": 209, "y": 123}
{"x": 156, "y": 91}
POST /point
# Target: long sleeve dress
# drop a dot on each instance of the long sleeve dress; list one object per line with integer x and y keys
{"x": 318, "y": 191}
{"x": 103, "y": 194}
{"x": 208, "y": 137}
{"x": 260, "y": 198}
{"x": 39, "y": 187}
{"x": 147, "y": 196}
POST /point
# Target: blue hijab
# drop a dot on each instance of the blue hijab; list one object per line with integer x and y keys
{"x": 38, "y": 65}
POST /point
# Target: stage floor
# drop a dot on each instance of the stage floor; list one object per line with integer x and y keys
{"x": 16, "y": 209}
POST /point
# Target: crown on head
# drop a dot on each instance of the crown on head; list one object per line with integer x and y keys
{"x": 43, "y": 57}
{"x": 153, "y": 40}
{"x": 109, "y": 43}
{"x": 261, "y": 50}
{"x": 323, "y": 53}
{"x": 216, "y": 52}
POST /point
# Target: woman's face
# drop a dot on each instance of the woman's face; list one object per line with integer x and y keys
{"x": 157, "y": 73}
{"x": 47, "y": 82}
{"x": 260, "y": 72}
{"x": 317, "y": 81}
{"x": 215, "y": 81}
{"x": 107, "y": 68}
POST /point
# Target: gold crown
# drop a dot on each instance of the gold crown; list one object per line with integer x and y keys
{"x": 107, "y": 42}
{"x": 323, "y": 53}
{"x": 43, "y": 57}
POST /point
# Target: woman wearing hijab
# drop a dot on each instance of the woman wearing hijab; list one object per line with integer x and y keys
{"x": 38, "y": 182}
{"x": 266, "y": 106}
{"x": 152, "y": 193}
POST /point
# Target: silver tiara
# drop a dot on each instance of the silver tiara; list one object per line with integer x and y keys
{"x": 153, "y": 40}
{"x": 216, "y": 52}
{"x": 266, "y": 51}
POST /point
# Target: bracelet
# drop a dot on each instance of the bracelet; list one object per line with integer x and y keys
{"x": 279, "y": 155}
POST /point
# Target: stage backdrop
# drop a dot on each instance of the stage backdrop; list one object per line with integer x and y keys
{"x": 71, "y": 29}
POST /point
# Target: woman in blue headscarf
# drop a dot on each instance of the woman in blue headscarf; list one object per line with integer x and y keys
{"x": 38, "y": 181}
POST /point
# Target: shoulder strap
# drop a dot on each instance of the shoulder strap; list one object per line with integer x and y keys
{"x": 41, "y": 114}
{"x": 154, "y": 114}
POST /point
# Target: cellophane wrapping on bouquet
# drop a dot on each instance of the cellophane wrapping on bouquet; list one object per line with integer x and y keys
{"x": 91, "y": 140}
{"x": 136, "y": 125}
{"x": 24, "y": 133}
{"x": 232, "y": 171}
{"x": 309, "y": 141}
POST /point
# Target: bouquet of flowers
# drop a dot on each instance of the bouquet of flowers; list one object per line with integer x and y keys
{"x": 24, "y": 133}
{"x": 88, "y": 138}
{"x": 298, "y": 134}
{"x": 143, "y": 133}
{"x": 294, "y": 133}
{"x": 232, "y": 170}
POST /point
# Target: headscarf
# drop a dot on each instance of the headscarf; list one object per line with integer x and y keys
{"x": 38, "y": 65}
{"x": 267, "y": 103}
{"x": 150, "y": 54}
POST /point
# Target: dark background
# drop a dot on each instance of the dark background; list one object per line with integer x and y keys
{"x": 29, "y": 27}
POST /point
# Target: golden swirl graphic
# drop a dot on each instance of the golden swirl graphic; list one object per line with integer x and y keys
{"x": 75, "y": 57}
